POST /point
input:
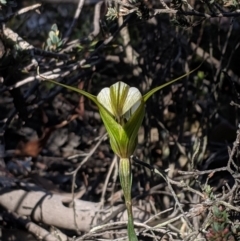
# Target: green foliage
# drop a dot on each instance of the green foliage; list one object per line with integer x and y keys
{"x": 219, "y": 228}
{"x": 200, "y": 75}
{"x": 54, "y": 41}
{"x": 231, "y": 3}
{"x": 181, "y": 21}
{"x": 208, "y": 191}
{"x": 4, "y": 2}
{"x": 112, "y": 14}
{"x": 139, "y": 8}
{"x": 10, "y": 3}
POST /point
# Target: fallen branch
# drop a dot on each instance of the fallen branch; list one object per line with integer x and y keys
{"x": 56, "y": 210}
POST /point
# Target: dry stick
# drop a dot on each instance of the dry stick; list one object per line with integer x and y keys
{"x": 33, "y": 228}
{"x": 59, "y": 89}
{"x": 168, "y": 180}
{"x": 232, "y": 53}
{"x": 231, "y": 191}
{"x": 22, "y": 11}
{"x": 223, "y": 53}
{"x": 176, "y": 142}
{"x": 114, "y": 162}
{"x": 116, "y": 225}
{"x": 56, "y": 73}
{"x": 185, "y": 2}
{"x": 115, "y": 175}
{"x": 74, "y": 156}
{"x": 210, "y": 59}
{"x": 169, "y": 221}
{"x": 195, "y": 154}
{"x": 109, "y": 39}
{"x": 234, "y": 150}
{"x": 196, "y": 13}
{"x": 96, "y": 25}
{"x": 27, "y": 9}
{"x": 52, "y": 74}
{"x": 130, "y": 53}
{"x": 143, "y": 225}
{"x": 121, "y": 208}
{"x": 96, "y": 21}
{"x": 158, "y": 214}
{"x": 197, "y": 172}
{"x": 164, "y": 4}
{"x": 192, "y": 236}
{"x": 234, "y": 104}
{"x": 169, "y": 183}
{"x": 182, "y": 116}
{"x": 14, "y": 112}
{"x": 161, "y": 11}
{"x": 74, "y": 173}
{"x": 76, "y": 16}
{"x": 25, "y": 46}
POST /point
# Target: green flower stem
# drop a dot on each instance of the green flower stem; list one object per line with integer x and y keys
{"x": 125, "y": 175}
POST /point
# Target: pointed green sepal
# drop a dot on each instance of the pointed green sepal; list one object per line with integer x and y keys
{"x": 151, "y": 92}
{"x": 123, "y": 138}
{"x": 88, "y": 95}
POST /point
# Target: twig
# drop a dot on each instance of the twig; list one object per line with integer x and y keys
{"x": 161, "y": 11}
{"x": 235, "y": 13}
{"x": 96, "y": 20}
{"x": 114, "y": 162}
{"x": 233, "y": 151}
{"x": 25, "y": 46}
{"x": 74, "y": 173}
{"x": 27, "y": 9}
{"x": 33, "y": 228}
{"x": 169, "y": 182}
{"x": 223, "y": 52}
{"x": 21, "y": 11}
{"x": 164, "y": 4}
{"x": 158, "y": 214}
{"x": 76, "y": 16}
{"x": 197, "y": 172}
{"x": 130, "y": 53}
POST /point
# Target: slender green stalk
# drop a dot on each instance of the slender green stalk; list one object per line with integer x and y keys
{"x": 125, "y": 175}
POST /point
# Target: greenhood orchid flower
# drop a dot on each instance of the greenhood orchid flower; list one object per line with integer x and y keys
{"x": 122, "y": 109}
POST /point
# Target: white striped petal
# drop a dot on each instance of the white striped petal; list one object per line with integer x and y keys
{"x": 119, "y": 99}
{"x": 105, "y": 100}
{"x": 132, "y": 101}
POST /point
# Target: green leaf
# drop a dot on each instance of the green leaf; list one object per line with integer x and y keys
{"x": 3, "y": 2}
{"x": 88, "y": 95}
{"x": 200, "y": 75}
{"x": 117, "y": 135}
{"x": 151, "y": 92}
{"x": 60, "y": 43}
{"x": 54, "y": 27}
{"x": 54, "y": 38}
{"x": 216, "y": 227}
{"x": 132, "y": 127}
{"x": 49, "y": 43}
{"x": 85, "y": 66}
